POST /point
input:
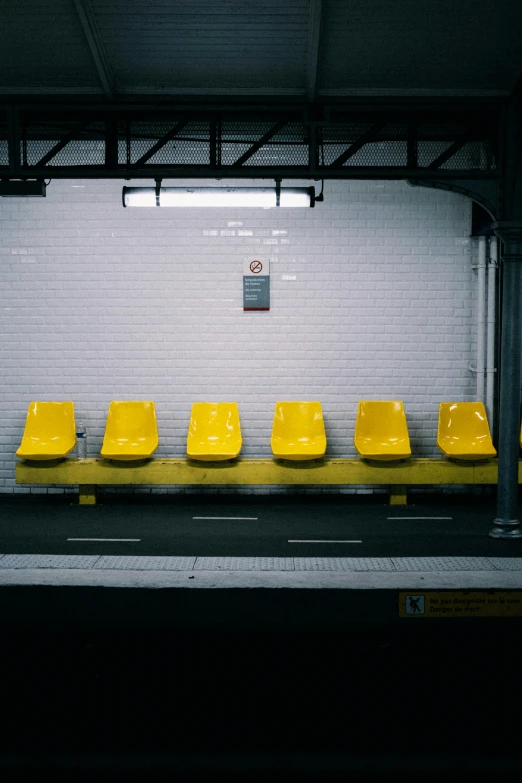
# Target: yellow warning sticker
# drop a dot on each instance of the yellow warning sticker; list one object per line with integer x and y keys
{"x": 461, "y": 603}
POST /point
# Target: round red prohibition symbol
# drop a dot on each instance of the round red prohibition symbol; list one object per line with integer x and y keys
{"x": 256, "y": 267}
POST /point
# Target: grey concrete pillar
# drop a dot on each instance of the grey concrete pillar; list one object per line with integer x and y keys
{"x": 507, "y": 524}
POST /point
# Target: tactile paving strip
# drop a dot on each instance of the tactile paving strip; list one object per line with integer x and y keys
{"x": 141, "y": 563}
{"x": 48, "y": 561}
{"x": 244, "y": 564}
{"x": 343, "y": 564}
{"x": 442, "y": 564}
{"x": 502, "y": 563}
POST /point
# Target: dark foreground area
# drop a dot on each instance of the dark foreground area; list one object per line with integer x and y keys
{"x": 248, "y": 705}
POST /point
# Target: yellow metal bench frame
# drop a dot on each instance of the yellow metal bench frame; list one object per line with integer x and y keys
{"x": 89, "y": 473}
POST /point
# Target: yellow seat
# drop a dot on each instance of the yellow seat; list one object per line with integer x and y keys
{"x": 298, "y": 431}
{"x": 463, "y": 431}
{"x": 131, "y": 431}
{"x": 381, "y": 430}
{"x": 49, "y": 431}
{"x": 214, "y": 432}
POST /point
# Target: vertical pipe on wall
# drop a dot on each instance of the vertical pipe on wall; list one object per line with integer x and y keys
{"x": 506, "y": 523}
{"x": 491, "y": 329}
{"x": 481, "y": 318}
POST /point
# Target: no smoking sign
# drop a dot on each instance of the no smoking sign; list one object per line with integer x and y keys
{"x": 256, "y": 267}
{"x": 256, "y": 284}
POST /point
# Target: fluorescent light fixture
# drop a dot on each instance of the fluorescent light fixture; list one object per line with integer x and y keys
{"x": 266, "y": 198}
{"x": 22, "y": 188}
{"x": 139, "y": 197}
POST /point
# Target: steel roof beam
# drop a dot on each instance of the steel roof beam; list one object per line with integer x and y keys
{"x": 314, "y": 36}
{"x": 94, "y": 171}
{"x": 99, "y": 56}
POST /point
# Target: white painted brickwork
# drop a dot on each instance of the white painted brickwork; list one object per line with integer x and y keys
{"x": 101, "y": 303}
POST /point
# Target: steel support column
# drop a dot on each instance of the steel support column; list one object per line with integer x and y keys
{"x": 507, "y": 524}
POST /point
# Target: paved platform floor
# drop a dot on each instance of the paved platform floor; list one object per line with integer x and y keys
{"x": 360, "y": 556}
{"x": 289, "y": 540}
{"x": 248, "y": 526}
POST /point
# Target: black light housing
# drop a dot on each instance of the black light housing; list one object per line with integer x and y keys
{"x": 22, "y": 188}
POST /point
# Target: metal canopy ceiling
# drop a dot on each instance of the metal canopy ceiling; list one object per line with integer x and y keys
{"x": 424, "y": 90}
{"x": 311, "y": 49}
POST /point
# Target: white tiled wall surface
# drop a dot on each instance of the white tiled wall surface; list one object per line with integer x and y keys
{"x": 371, "y": 298}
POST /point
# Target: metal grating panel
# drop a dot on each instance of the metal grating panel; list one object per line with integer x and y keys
{"x": 472, "y": 156}
{"x": 238, "y": 137}
{"x": 507, "y": 563}
{"x": 343, "y": 564}
{"x": 429, "y": 150}
{"x": 289, "y": 146}
{"x": 48, "y": 561}
{"x": 442, "y": 564}
{"x": 190, "y": 146}
{"x": 85, "y": 141}
{"x": 337, "y": 138}
{"x": 140, "y": 563}
{"x": 244, "y": 564}
{"x": 436, "y": 138}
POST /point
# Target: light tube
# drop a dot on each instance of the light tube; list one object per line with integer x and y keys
{"x": 265, "y": 198}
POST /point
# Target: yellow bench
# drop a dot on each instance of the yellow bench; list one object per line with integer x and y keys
{"x": 131, "y": 437}
{"x": 463, "y": 431}
{"x": 298, "y": 431}
{"x": 131, "y": 431}
{"x": 214, "y": 431}
{"x": 381, "y": 430}
{"x": 396, "y": 475}
{"x": 49, "y": 432}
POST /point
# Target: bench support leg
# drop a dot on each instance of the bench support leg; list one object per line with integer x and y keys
{"x": 398, "y": 495}
{"x": 87, "y": 494}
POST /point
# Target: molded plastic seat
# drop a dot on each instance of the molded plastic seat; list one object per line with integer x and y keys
{"x": 381, "y": 430}
{"x": 50, "y": 432}
{"x": 131, "y": 431}
{"x": 298, "y": 431}
{"x": 214, "y": 431}
{"x": 463, "y": 431}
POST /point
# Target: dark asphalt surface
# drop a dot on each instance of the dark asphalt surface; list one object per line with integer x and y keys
{"x": 167, "y": 527}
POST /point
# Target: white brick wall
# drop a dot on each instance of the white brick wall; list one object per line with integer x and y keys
{"x": 101, "y": 303}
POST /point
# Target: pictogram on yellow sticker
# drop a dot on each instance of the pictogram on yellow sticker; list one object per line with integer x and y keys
{"x": 461, "y": 603}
